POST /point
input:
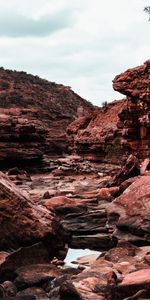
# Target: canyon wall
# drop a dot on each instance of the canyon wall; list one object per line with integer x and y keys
{"x": 135, "y": 117}
{"x": 119, "y": 128}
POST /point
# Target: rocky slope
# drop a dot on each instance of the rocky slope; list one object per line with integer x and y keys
{"x": 34, "y": 114}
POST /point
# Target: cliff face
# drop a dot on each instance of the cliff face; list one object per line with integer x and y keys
{"x": 97, "y": 136}
{"x": 34, "y": 114}
{"x": 121, "y": 127}
{"x": 135, "y": 117}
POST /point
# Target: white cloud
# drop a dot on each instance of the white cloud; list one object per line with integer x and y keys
{"x": 100, "y": 40}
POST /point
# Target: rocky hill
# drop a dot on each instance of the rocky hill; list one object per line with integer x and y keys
{"x": 34, "y": 114}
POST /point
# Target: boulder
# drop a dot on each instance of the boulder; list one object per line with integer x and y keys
{"x": 130, "y": 212}
{"x": 23, "y": 223}
{"x": 130, "y": 168}
{"x": 26, "y": 256}
{"x": 36, "y": 275}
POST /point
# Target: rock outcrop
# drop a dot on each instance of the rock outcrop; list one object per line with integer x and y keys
{"x": 130, "y": 213}
{"x": 85, "y": 220}
{"x": 34, "y": 114}
{"x": 135, "y": 117}
{"x": 22, "y": 223}
{"x": 121, "y": 127}
{"x": 97, "y": 137}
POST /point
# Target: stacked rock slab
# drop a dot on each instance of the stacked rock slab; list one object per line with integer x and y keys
{"x": 22, "y": 136}
{"x": 135, "y": 117}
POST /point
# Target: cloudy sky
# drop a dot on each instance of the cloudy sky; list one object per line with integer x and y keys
{"x": 80, "y": 43}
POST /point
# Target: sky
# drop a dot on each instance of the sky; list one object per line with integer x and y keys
{"x": 83, "y": 44}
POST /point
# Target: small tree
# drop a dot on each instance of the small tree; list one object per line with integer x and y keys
{"x": 104, "y": 104}
{"x": 147, "y": 10}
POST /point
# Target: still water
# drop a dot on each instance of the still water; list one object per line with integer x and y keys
{"x": 73, "y": 254}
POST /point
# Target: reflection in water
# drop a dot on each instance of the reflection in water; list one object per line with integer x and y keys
{"x": 73, "y": 254}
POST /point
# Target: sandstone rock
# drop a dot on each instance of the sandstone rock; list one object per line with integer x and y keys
{"x": 97, "y": 137}
{"x": 136, "y": 282}
{"x": 26, "y": 256}
{"x": 135, "y": 118}
{"x": 84, "y": 219}
{"x": 36, "y": 275}
{"x": 24, "y": 223}
{"x": 131, "y": 212}
{"x": 130, "y": 169}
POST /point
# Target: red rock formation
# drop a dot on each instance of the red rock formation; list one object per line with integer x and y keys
{"x": 97, "y": 136}
{"x": 34, "y": 114}
{"x": 130, "y": 212}
{"x": 135, "y": 117}
{"x": 84, "y": 219}
{"x": 22, "y": 135}
{"x": 23, "y": 223}
{"x": 120, "y": 128}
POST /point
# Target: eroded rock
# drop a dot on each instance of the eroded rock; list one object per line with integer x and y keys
{"x": 24, "y": 223}
{"x": 130, "y": 212}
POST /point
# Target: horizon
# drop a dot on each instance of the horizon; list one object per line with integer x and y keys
{"x": 80, "y": 44}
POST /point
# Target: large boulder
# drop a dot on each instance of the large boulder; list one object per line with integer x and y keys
{"x": 22, "y": 223}
{"x": 131, "y": 212}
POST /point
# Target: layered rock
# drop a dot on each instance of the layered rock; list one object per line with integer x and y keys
{"x": 130, "y": 213}
{"x": 135, "y": 117}
{"x": 97, "y": 136}
{"x": 34, "y": 114}
{"x": 121, "y": 127}
{"x": 85, "y": 219}
{"x": 22, "y": 223}
{"x": 22, "y": 136}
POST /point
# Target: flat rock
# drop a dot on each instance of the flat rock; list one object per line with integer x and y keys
{"x": 36, "y": 275}
{"x": 25, "y": 256}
